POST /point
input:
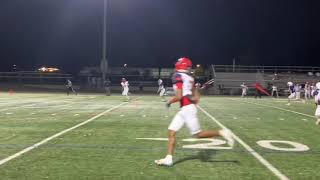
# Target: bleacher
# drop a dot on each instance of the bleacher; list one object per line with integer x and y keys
{"x": 33, "y": 80}
{"x": 228, "y": 83}
{"x": 227, "y": 78}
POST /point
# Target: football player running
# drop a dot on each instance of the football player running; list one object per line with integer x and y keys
{"x": 244, "y": 88}
{"x": 125, "y": 88}
{"x": 70, "y": 88}
{"x": 161, "y": 90}
{"x": 297, "y": 89}
{"x": 307, "y": 91}
{"x": 187, "y": 94}
{"x": 274, "y": 91}
{"x": 292, "y": 92}
{"x": 316, "y": 95}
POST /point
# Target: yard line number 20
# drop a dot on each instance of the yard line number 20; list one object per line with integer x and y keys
{"x": 208, "y": 143}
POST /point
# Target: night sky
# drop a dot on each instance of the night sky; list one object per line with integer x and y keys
{"x": 67, "y": 33}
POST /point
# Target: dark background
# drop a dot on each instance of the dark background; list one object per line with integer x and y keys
{"x": 67, "y": 33}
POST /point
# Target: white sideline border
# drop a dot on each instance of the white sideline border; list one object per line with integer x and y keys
{"x": 263, "y": 161}
{"x": 274, "y": 107}
{"x": 9, "y": 158}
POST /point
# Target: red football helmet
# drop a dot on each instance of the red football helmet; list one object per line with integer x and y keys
{"x": 183, "y": 64}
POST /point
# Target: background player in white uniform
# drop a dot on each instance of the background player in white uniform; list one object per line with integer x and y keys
{"x": 274, "y": 91}
{"x": 244, "y": 89}
{"x": 297, "y": 89}
{"x": 292, "y": 92}
{"x": 307, "y": 91}
{"x": 125, "y": 88}
{"x": 317, "y": 101}
{"x": 161, "y": 89}
{"x": 188, "y": 96}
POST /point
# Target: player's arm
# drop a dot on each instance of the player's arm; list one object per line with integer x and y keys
{"x": 196, "y": 95}
{"x": 178, "y": 83}
{"x": 176, "y": 98}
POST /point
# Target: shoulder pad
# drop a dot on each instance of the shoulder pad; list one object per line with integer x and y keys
{"x": 176, "y": 78}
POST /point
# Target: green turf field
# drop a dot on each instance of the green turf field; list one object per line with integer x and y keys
{"x": 106, "y": 145}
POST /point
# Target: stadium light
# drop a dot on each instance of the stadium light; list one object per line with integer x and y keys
{"x": 198, "y": 65}
{"x": 48, "y": 69}
{"x": 43, "y": 69}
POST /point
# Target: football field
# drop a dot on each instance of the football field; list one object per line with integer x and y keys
{"x": 92, "y": 136}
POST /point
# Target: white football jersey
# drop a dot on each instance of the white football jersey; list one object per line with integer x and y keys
{"x": 244, "y": 87}
{"x": 160, "y": 83}
{"x": 186, "y": 80}
{"x": 125, "y": 84}
{"x": 307, "y": 87}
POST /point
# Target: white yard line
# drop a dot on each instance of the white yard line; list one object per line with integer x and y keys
{"x": 263, "y": 161}
{"x": 274, "y": 107}
{"x": 3, "y": 161}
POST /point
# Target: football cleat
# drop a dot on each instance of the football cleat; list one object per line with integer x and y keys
{"x": 227, "y": 134}
{"x": 164, "y": 162}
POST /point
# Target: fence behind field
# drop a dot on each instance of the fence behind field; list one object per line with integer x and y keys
{"x": 227, "y": 78}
